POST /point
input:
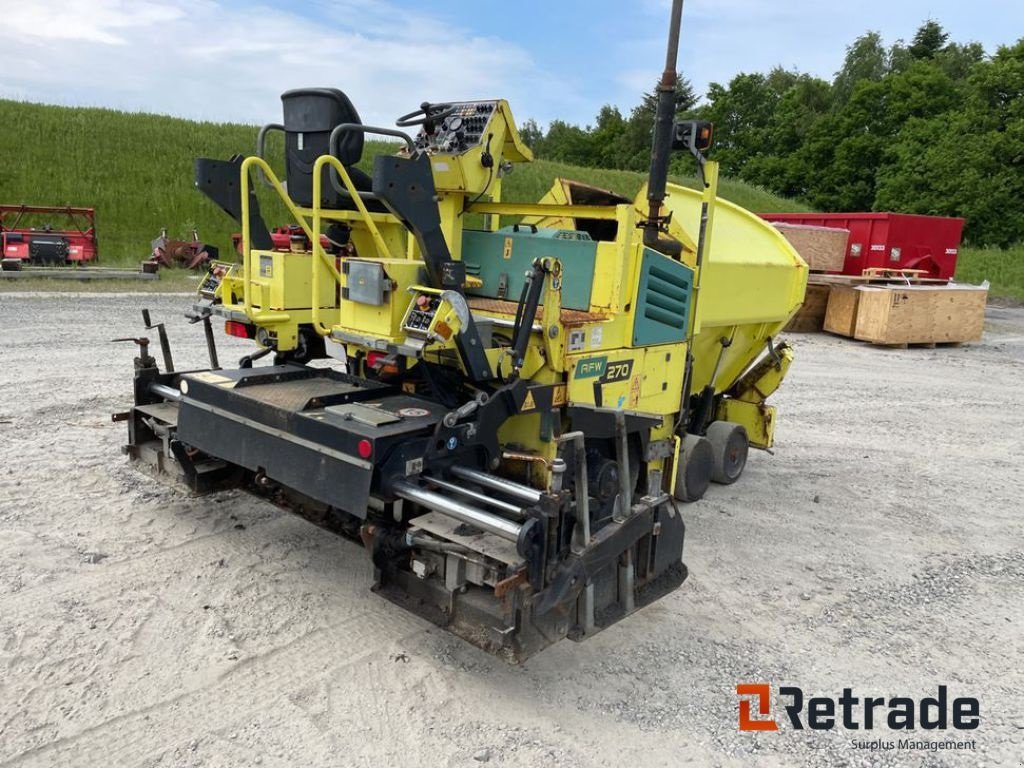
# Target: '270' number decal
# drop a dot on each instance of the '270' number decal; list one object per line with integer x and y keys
{"x": 600, "y": 368}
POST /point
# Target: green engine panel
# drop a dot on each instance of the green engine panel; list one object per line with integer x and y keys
{"x": 662, "y": 301}
{"x": 501, "y": 260}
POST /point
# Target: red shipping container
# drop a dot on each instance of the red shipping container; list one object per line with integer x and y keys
{"x": 890, "y": 240}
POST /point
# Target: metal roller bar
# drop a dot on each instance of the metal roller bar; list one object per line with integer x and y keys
{"x": 515, "y": 490}
{"x": 504, "y": 506}
{"x": 478, "y": 518}
{"x": 504, "y": 322}
{"x": 167, "y": 393}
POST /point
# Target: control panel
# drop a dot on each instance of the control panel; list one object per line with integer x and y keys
{"x": 216, "y": 272}
{"x": 434, "y": 315}
{"x": 421, "y": 314}
{"x": 463, "y": 128}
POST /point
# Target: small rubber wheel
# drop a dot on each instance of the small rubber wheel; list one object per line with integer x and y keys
{"x": 696, "y": 463}
{"x": 730, "y": 444}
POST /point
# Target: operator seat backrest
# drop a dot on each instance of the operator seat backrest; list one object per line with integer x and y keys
{"x": 310, "y": 114}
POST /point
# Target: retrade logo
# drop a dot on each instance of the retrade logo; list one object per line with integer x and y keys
{"x": 850, "y": 712}
{"x": 762, "y": 693}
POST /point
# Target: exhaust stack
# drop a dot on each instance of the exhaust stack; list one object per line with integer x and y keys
{"x": 661, "y": 147}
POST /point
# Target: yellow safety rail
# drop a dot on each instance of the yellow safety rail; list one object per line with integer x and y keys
{"x": 310, "y": 221}
{"x": 318, "y": 214}
{"x": 293, "y": 209}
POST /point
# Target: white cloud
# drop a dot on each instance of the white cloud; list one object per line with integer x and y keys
{"x": 209, "y": 60}
{"x": 96, "y": 21}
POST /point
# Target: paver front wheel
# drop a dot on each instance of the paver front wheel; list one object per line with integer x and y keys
{"x": 696, "y": 463}
{"x": 730, "y": 445}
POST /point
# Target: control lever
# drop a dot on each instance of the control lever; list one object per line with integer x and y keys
{"x": 202, "y": 314}
{"x": 468, "y": 409}
{"x": 486, "y": 158}
{"x": 165, "y": 345}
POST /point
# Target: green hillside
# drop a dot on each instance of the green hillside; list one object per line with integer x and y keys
{"x": 136, "y": 170}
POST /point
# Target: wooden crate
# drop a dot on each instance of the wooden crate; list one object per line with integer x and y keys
{"x": 913, "y": 314}
{"x": 841, "y": 314}
{"x": 810, "y": 318}
{"x": 823, "y": 248}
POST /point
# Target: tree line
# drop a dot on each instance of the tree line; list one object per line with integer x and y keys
{"x": 930, "y": 126}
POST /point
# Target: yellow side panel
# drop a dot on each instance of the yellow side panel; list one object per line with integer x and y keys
{"x": 614, "y": 269}
{"x": 662, "y": 378}
{"x": 282, "y": 280}
{"x": 647, "y": 380}
{"x": 383, "y": 321}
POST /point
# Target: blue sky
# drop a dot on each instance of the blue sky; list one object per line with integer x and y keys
{"x": 229, "y": 60}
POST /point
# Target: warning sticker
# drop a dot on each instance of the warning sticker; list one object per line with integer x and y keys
{"x": 529, "y": 403}
{"x": 560, "y": 395}
{"x": 577, "y": 339}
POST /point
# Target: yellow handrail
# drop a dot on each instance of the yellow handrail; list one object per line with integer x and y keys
{"x": 378, "y": 239}
{"x": 293, "y": 209}
{"x": 382, "y": 246}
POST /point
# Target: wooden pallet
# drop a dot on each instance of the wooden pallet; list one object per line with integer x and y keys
{"x": 883, "y": 277}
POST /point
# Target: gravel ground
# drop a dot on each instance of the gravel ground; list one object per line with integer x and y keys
{"x": 879, "y": 548}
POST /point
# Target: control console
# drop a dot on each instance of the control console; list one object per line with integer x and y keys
{"x": 463, "y": 127}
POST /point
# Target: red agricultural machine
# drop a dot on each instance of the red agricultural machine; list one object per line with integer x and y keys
{"x": 28, "y": 235}
{"x": 190, "y": 254}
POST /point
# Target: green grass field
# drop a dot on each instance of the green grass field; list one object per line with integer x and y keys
{"x": 1004, "y": 268}
{"x": 136, "y": 170}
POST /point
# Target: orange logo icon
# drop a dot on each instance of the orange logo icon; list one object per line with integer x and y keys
{"x": 763, "y": 693}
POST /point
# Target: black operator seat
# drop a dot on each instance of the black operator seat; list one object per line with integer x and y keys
{"x": 310, "y": 115}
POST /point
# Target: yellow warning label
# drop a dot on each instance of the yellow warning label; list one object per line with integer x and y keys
{"x": 528, "y": 404}
{"x": 560, "y": 396}
{"x": 507, "y": 252}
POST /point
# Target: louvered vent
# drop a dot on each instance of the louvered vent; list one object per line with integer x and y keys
{"x": 663, "y": 301}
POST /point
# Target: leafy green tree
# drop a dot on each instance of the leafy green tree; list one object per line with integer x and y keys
{"x": 633, "y": 146}
{"x": 969, "y": 160}
{"x": 777, "y": 166}
{"x": 532, "y": 134}
{"x": 742, "y": 112}
{"x": 866, "y": 59}
{"x": 568, "y": 143}
{"x": 605, "y": 139}
{"x": 929, "y": 40}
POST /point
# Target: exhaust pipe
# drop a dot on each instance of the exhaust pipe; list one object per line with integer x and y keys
{"x": 661, "y": 148}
